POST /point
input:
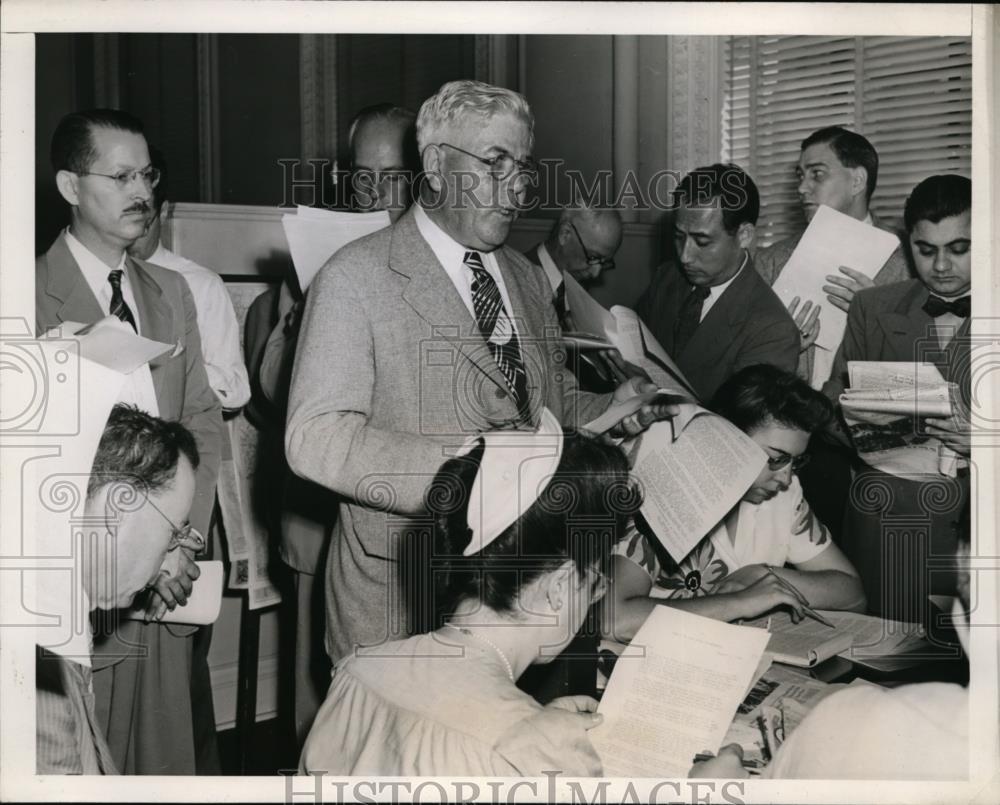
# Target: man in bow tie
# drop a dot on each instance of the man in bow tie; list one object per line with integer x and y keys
{"x": 414, "y": 338}
{"x": 927, "y": 320}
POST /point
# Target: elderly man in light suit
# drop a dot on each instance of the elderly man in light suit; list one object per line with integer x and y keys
{"x": 418, "y": 336}
{"x": 142, "y": 671}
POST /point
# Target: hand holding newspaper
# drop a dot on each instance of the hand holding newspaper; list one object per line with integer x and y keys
{"x": 885, "y": 408}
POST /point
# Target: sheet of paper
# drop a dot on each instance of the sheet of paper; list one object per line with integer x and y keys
{"x": 114, "y": 344}
{"x": 831, "y": 240}
{"x": 678, "y": 699}
{"x": 73, "y": 418}
{"x": 689, "y": 484}
{"x": 315, "y": 235}
{"x": 639, "y": 346}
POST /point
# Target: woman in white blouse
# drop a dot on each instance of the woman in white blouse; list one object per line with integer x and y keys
{"x": 769, "y": 551}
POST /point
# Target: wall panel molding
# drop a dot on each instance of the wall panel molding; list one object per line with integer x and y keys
{"x": 318, "y": 95}
{"x": 694, "y": 101}
{"x": 208, "y": 117}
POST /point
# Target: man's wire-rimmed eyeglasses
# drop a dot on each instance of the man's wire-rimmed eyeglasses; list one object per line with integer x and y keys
{"x": 123, "y": 179}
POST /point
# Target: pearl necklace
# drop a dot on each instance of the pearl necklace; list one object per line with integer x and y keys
{"x": 490, "y": 643}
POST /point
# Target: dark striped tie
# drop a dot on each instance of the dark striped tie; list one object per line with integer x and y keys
{"x": 119, "y": 307}
{"x": 498, "y": 330}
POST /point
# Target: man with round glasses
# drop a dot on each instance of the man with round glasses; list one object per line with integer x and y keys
{"x": 102, "y": 169}
{"x": 140, "y": 488}
{"x": 417, "y": 336}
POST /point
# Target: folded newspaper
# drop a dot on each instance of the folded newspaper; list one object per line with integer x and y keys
{"x": 886, "y": 408}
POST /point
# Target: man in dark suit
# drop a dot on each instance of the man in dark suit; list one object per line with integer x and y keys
{"x": 102, "y": 166}
{"x": 417, "y": 336}
{"x": 924, "y": 319}
{"x": 712, "y": 312}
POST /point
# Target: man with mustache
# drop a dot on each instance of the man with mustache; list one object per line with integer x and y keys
{"x": 101, "y": 161}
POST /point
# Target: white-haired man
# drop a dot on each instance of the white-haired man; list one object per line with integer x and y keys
{"x": 417, "y": 336}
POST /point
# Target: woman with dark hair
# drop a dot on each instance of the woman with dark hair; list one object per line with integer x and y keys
{"x": 524, "y": 524}
{"x": 739, "y": 569}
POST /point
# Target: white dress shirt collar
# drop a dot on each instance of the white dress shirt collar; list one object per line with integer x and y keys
{"x": 716, "y": 291}
{"x": 451, "y": 256}
{"x": 96, "y": 272}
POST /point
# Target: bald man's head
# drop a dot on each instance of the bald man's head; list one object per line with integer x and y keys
{"x": 383, "y": 159}
{"x": 584, "y": 241}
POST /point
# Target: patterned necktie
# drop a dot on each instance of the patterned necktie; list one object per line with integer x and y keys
{"x": 119, "y": 307}
{"x": 497, "y": 329}
{"x": 936, "y": 306}
{"x": 688, "y": 318}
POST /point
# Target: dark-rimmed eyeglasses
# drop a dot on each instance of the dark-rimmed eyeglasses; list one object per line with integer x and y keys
{"x": 123, "y": 179}
{"x": 592, "y": 258}
{"x": 503, "y": 165}
{"x": 783, "y": 460}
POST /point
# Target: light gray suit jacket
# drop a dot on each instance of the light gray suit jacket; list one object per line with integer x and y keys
{"x": 391, "y": 370}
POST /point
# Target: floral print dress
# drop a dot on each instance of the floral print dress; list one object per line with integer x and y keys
{"x": 778, "y": 531}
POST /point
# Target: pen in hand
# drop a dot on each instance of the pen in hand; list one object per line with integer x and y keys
{"x": 808, "y": 610}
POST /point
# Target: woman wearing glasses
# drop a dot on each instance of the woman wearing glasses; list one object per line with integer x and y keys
{"x": 524, "y": 521}
{"x": 770, "y": 550}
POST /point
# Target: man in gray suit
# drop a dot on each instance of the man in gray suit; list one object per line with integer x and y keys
{"x": 417, "y": 336}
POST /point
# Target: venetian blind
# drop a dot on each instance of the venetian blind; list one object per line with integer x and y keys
{"x": 910, "y": 96}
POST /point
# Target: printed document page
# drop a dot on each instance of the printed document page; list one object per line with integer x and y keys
{"x": 691, "y": 482}
{"x": 831, "y": 240}
{"x": 679, "y": 698}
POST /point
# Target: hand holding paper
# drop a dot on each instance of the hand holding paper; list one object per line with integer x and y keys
{"x": 841, "y": 290}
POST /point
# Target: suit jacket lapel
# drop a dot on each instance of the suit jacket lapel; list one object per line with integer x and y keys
{"x": 433, "y": 296}
{"x": 67, "y": 284}
{"x": 154, "y": 321}
{"x": 905, "y": 325}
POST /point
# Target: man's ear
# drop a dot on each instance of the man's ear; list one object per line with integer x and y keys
{"x": 68, "y": 184}
{"x": 431, "y": 161}
{"x": 745, "y": 234}
{"x": 859, "y": 180}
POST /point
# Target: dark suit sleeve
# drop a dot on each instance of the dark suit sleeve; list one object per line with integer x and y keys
{"x": 852, "y": 348}
{"x": 202, "y": 415}
{"x": 775, "y": 342}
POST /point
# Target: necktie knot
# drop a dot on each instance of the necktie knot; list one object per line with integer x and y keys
{"x": 936, "y": 306}
{"x": 474, "y": 260}
{"x": 119, "y": 307}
